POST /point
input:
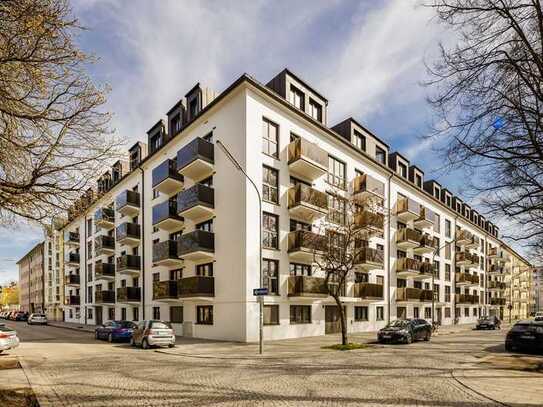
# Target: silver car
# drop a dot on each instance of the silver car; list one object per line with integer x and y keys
{"x": 8, "y": 338}
{"x": 37, "y": 319}
{"x": 153, "y": 332}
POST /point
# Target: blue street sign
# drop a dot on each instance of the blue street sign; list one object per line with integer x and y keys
{"x": 498, "y": 123}
{"x": 260, "y": 291}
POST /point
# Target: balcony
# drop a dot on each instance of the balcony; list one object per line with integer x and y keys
{"x": 72, "y": 300}
{"x": 166, "y": 254}
{"x": 426, "y": 218}
{"x": 496, "y": 270}
{"x": 496, "y": 255}
{"x": 166, "y": 179}
{"x": 72, "y": 259}
{"x": 466, "y": 299}
{"x": 497, "y": 302}
{"x": 368, "y": 258}
{"x": 71, "y": 239}
{"x": 196, "y": 245}
{"x": 129, "y": 295}
{"x": 165, "y": 216}
{"x": 466, "y": 279}
{"x": 411, "y": 294}
{"x": 307, "y": 160}
{"x": 104, "y": 271}
{"x": 411, "y": 268}
{"x": 72, "y": 280}
{"x": 307, "y": 204}
{"x": 303, "y": 245}
{"x": 197, "y": 287}
{"x": 128, "y": 203}
{"x": 196, "y": 203}
{"x": 365, "y": 188}
{"x": 407, "y": 238}
{"x": 165, "y": 291}
{"x": 464, "y": 237}
{"x": 196, "y": 160}
{"x": 129, "y": 264}
{"x": 128, "y": 234}
{"x": 105, "y": 218}
{"x": 426, "y": 244}
{"x": 465, "y": 259}
{"x": 368, "y": 291}
{"x": 369, "y": 221}
{"x": 407, "y": 209}
{"x": 496, "y": 286}
{"x": 304, "y": 286}
{"x": 104, "y": 245}
{"x": 104, "y": 297}
{"x": 474, "y": 243}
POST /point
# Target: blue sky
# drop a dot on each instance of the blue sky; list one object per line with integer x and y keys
{"x": 367, "y": 57}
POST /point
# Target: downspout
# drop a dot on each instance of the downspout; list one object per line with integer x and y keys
{"x": 142, "y": 204}
{"x": 389, "y": 198}
{"x": 86, "y": 270}
{"x": 453, "y": 261}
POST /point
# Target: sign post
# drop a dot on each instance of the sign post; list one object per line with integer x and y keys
{"x": 259, "y": 293}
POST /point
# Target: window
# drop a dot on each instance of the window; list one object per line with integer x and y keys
{"x": 207, "y": 226}
{"x": 437, "y": 223}
{"x": 447, "y": 228}
{"x": 270, "y": 237}
{"x": 296, "y": 97}
{"x": 401, "y": 312}
{"x": 209, "y": 137}
{"x": 416, "y": 314}
{"x": 360, "y": 313}
{"x": 89, "y": 313}
{"x": 156, "y": 142}
{"x": 123, "y": 314}
{"x": 300, "y": 314}
{"x": 204, "y": 314}
{"x": 380, "y": 313}
{"x": 297, "y": 225}
{"x": 271, "y": 314}
{"x": 315, "y": 110}
{"x": 402, "y": 169}
{"x": 156, "y": 277}
{"x": 156, "y": 312}
{"x": 427, "y": 313}
{"x": 447, "y": 312}
{"x": 193, "y": 108}
{"x": 361, "y": 277}
{"x": 466, "y": 312}
{"x": 296, "y": 269}
{"x": 176, "y": 314}
{"x": 176, "y": 124}
{"x": 270, "y": 184}
{"x": 336, "y": 209}
{"x": 447, "y": 293}
{"x": 359, "y": 141}
{"x": 336, "y": 172}
{"x": 447, "y": 272}
{"x": 205, "y": 270}
{"x": 418, "y": 180}
{"x": 270, "y": 138}
{"x": 156, "y": 193}
{"x": 271, "y": 275}
{"x": 448, "y": 251}
{"x": 380, "y": 155}
{"x": 135, "y": 314}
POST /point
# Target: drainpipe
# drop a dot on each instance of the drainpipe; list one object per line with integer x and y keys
{"x": 142, "y": 204}
{"x": 389, "y": 198}
{"x": 86, "y": 270}
{"x": 453, "y": 261}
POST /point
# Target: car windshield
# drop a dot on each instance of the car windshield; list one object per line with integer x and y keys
{"x": 399, "y": 323}
{"x": 6, "y": 329}
{"x": 126, "y": 324}
{"x": 160, "y": 325}
{"x": 520, "y": 328}
{"x": 38, "y": 315}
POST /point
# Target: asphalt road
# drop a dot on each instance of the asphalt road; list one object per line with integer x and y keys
{"x": 466, "y": 368}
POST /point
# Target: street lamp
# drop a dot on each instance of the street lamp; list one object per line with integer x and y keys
{"x": 260, "y": 298}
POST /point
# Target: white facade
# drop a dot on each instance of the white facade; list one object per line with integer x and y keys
{"x": 217, "y": 301}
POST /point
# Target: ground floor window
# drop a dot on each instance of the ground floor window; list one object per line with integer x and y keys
{"x": 156, "y": 312}
{"x": 271, "y": 275}
{"x": 300, "y": 314}
{"x": 176, "y": 315}
{"x": 89, "y": 313}
{"x": 416, "y": 312}
{"x": 204, "y": 314}
{"x": 71, "y": 314}
{"x": 427, "y": 313}
{"x": 123, "y": 314}
{"x": 447, "y": 312}
{"x": 380, "y": 313}
{"x": 401, "y": 312}
{"x": 457, "y": 312}
{"x": 360, "y": 313}
{"x": 111, "y": 314}
{"x": 271, "y": 314}
{"x": 466, "y": 312}
{"x": 136, "y": 314}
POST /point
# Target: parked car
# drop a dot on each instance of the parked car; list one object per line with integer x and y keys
{"x": 406, "y": 331}
{"x": 8, "y": 338}
{"x": 115, "y": 331}
{"x": 37, "y": 319}
{"x": 21, "y": 316}
{"x": 538, "y": 316}
{"x": 492, "y": 322}
{"x": 153, "y": 333}
{"x": 525, "y": 335}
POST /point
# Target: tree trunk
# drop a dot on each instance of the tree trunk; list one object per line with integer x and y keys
{"x": 342, "y": 321}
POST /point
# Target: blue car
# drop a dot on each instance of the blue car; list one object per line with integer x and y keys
{"x": 113, "y": 331}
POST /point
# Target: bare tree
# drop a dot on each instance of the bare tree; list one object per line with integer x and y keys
{"x": 54, "y": 138}
{"x": 487, "y": 92}
{"x": 342, "y": 242}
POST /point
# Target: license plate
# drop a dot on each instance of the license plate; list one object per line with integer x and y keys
{"x": 527, "y": 337}
{"x": 386, "y": 336}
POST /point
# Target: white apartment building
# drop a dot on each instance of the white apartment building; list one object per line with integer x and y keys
{"x": 53, "y": 272}
{"x": 173, "y": 232}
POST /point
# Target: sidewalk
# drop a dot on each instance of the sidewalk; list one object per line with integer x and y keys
{"x": 71, "y": 325}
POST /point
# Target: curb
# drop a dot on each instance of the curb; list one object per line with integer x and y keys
{"x": 73, "y": 328}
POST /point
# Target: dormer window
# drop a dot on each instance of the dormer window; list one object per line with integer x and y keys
{"x": 134, "y": 159}
{"x": 380, "y": 155}
{"x": 156, "y": 142}
{"x": 176, "y": 124}
{"x": 448, "y": 199}
{"x": 315, "y": 110}
{"x": 296, "y": 97}
{"x": 193, "y": 108}
{"x": 359, "y": 141}
{"x": 436, "y": 192}
{"x": 402, "y": 169}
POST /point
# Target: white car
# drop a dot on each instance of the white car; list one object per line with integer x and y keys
{"x": 539, "y": 316}
{"x": 40, "y": 319}
{"x": 8, "y": 338}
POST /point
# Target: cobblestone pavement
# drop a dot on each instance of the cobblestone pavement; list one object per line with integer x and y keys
{"x": 69, "y": 368}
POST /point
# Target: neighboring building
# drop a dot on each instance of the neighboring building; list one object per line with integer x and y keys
{"x": 31, "y": 280}
{"x": 172, "y": 233}
{"x": 54, "y": 272}
{"x": 538, "y": 289}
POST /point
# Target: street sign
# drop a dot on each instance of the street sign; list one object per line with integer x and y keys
{"x": 260, "y": 291}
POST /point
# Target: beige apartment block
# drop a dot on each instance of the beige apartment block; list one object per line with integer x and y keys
{"x": 31, "y": 280}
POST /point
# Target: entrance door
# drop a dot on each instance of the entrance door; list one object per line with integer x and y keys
{"x": 99, "y": 319}
{"x": 332, "y": 320}
{"x": 439, "y": 315}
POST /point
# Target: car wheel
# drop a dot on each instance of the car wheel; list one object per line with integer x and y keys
{"x": 96, "y": 336}
{"x": 427, "y": 336}
{"x": 110, "y": 338}
{"x": 408, "y": 339}
{"x": 171, "y": 345}
{"x": 145, "y": 344}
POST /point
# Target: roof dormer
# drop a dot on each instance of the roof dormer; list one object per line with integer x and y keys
{"x": 196, "y": 100}
{"x": 136, "y": 154}
{"x": 416, "y": 176}
{"x": 447, "y": 197}
{"x": 119, "y": 170}
{"x": 157, "y": 136}
{"x": 458, "y": 205}
{"x": 176, "y": 118}
{"x": 433, "y": 188}
{"x": 399, "y": 164}
{"x": 302, "y": 96}
{"x": 466, "y": 210}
